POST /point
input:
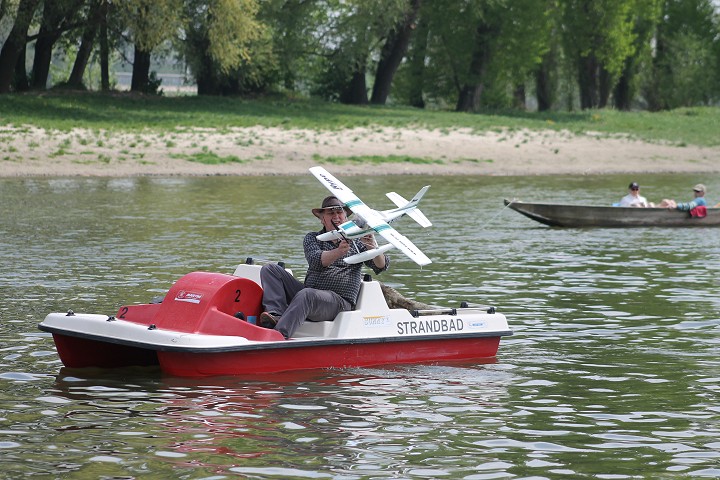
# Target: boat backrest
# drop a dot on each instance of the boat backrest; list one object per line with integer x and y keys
{"x": 251, "y": 272}
{"x": 371, "y": 298}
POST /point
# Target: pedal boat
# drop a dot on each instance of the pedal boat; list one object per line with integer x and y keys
{"x": 205, "y": 326}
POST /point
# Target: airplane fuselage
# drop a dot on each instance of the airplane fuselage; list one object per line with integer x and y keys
{"x": 345, "y": 230}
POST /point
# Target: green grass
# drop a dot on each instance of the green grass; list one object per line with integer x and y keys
{"x": 130, "y": 113}
{"x": 207, "y": 158}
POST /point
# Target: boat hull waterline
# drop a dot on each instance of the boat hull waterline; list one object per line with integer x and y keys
{"x": 204, "y": 326}
{"x": 561, "y": 215}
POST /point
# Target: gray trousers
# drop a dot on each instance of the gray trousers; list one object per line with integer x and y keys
{"x": 285, "y": 296}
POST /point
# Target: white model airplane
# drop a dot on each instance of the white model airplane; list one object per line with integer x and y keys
{"x": 374, "y": 221}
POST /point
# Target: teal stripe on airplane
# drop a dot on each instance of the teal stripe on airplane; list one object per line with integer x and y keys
{"x": 354, "y": 203}
{"x": 380, "y": 228}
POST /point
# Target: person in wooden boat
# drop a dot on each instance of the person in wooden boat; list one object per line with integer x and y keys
{"x": 331, "y": 285}
{"x": 698, "y": 200}
{"x": 633, "y": 198}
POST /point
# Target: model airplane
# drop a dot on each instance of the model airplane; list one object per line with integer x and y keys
{"x": 369, "y": 221}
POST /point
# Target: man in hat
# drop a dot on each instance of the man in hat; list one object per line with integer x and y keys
{"x": 331, "y": 285}
{"x": 699, "y": 200}
{"x": 633, "y": 198}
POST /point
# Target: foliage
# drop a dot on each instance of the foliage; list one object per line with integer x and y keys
{"x": 150, "y": 22}
{"x": 517, "y": 34}
{"x": 602, "y": 28}
{"x": 231, "y": 25}
{"x": 348, "y": 39}
{"x": 221, "y": 36}
{"x": 686, "y": 65}
{"x": 494, "y": 49}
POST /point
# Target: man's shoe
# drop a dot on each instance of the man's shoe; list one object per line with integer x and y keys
{"x": 268, "y": 320}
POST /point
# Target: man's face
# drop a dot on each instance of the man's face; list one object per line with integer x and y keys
{"x": 635, "y": 191}
{"x": 333, "y": 217}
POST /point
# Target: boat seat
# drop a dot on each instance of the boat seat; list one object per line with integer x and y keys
{"x": 371, "y": 304}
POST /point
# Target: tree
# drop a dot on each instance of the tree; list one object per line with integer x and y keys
{"x": 478, "y": 47}
{"x": 393, "y": 52}
{"x": 416, "y": 63}
{"x": 219, "y": 36}
{"x": 149, "y": 23}
{"x": 598, "y": 37}
{"x": 14, "y": 45}
{"x": 645, "y": 17}
{"x": 685, "y": 66}
{"x": 96, "y": 18}
{"x": 547, "y": 71}
{"x": 349, "y": 42}
{"x": 57, "y": 17}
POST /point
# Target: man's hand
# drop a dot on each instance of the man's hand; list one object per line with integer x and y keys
{"x": 369, "y": 241}
{"x": 329, "y": 256}
{"x": 343, "y": 248}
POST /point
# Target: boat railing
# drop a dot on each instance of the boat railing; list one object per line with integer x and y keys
{"x": 450, "y": 311}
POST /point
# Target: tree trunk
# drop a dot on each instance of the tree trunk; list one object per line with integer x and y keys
{"x": 416, "y": 60}
{"x": 605, "y": 87}
{"x": 469, "y": 98}
{"x": 471, "y": 91}
{"x": 104, "y": 52}
{"x": 95, "y": 17}
{"x": 545, "y": 83}
{"x": 54, "y": 23}
{"x": 20, "y": 78}
{"x": 205, "y": 77}
{"x": 355, "y": 92}
{"x": 206, "y": 84}
{"x": 42, "y": 59}
{"x": 519, "y": 97}
{"x": 588, "y": 82}
{"x": 15, "y": 43}
{"x": 622, "y": 95}
{"x": 392, "y": 54}
{"x": 141, "y": 71}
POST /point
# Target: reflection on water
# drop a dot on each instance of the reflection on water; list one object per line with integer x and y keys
{"x": 611, "y": 373}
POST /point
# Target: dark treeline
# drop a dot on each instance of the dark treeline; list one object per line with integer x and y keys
{"x": 468, "y": 55}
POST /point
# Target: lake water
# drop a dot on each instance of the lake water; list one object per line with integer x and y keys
{"x": 613, "y": 371}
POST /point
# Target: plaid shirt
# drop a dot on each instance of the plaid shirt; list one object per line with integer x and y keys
{"x": 338, "y": 277}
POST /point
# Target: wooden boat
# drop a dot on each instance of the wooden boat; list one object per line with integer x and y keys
{"x": 205, "y": 325}
{"x": 560, "y": 215}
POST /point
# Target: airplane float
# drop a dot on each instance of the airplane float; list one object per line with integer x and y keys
{"x": 369, "y": 221}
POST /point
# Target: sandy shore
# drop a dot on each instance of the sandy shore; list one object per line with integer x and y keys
{"x": 28, "y": 151}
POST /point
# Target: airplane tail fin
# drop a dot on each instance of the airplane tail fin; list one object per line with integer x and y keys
{"x": 409, "y": 208}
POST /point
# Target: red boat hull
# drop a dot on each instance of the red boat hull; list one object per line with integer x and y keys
{"x": 328, "y": 356}
{"x": 78, "y": 352}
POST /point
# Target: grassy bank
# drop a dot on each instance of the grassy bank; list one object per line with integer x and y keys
{"x": 123, "y": 112}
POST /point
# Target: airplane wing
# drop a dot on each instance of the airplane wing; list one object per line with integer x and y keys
{"x": 401, "y": 242}
{"x": 336, "y": 187}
